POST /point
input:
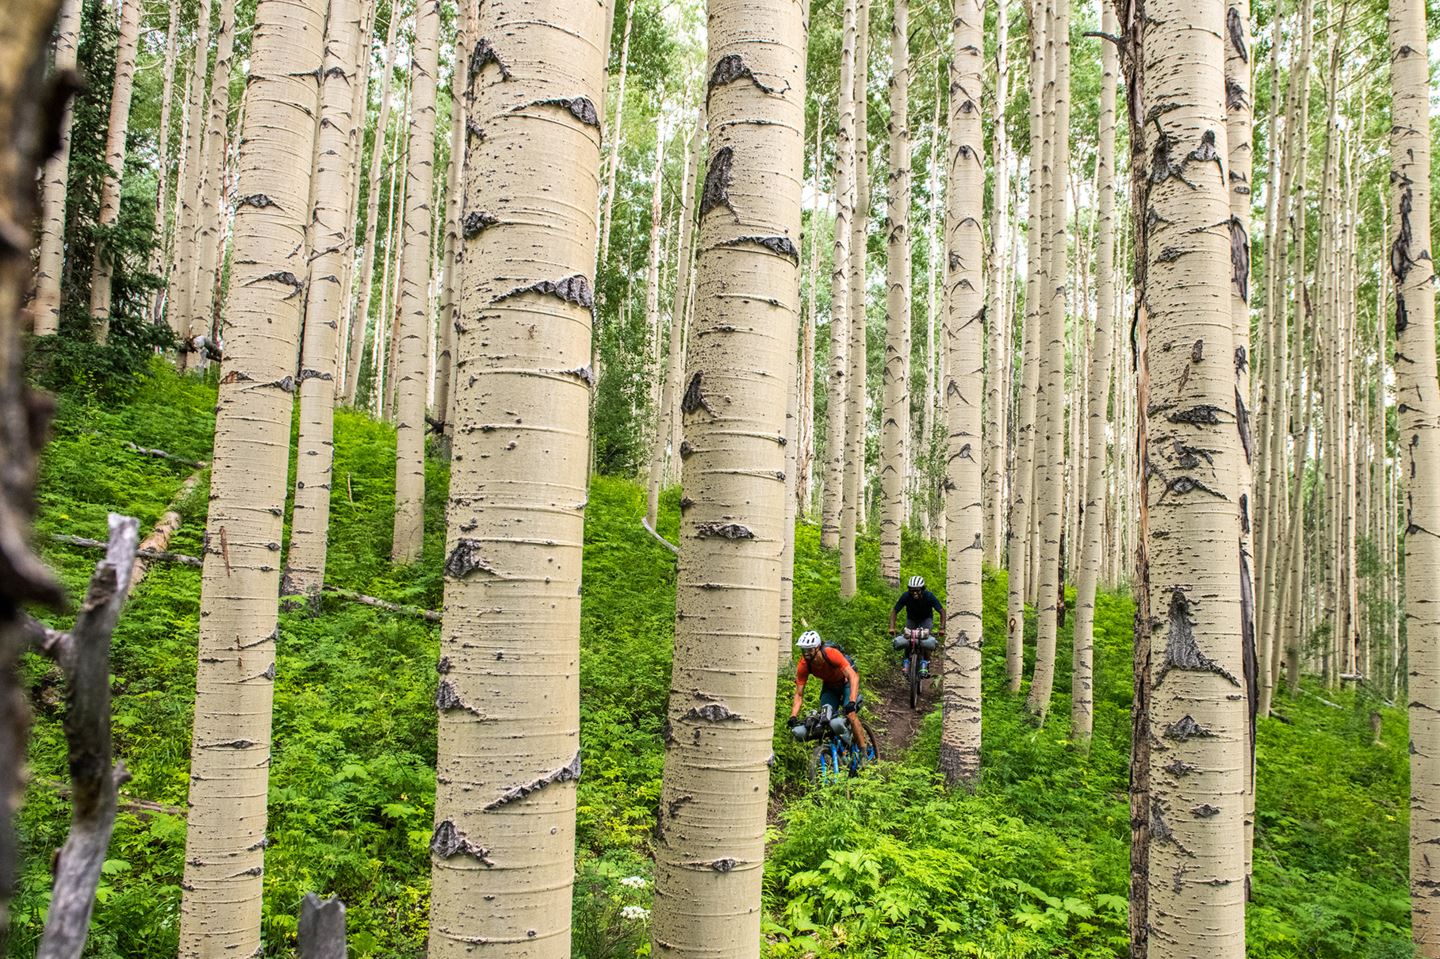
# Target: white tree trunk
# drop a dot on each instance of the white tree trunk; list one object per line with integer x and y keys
{"x": 710, "y": 845}
{"x": 895, "y": 405}
{"x": 230, "y": 755}
{"x": 964, "y": 341}
{"x": 833, "y": 494}
{"x": 857, "y": 420}
{"x": 55, "y": 178}
{"x": 502, "y": 853}
{"x": 103, "y": 267}
{"x": 333, "y": 240}
{"x": 414, "y": 324}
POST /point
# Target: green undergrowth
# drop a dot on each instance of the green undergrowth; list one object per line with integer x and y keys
{"x": 1033, "y": 863}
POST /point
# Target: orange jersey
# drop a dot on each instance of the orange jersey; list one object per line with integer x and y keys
{"x": 829, "y": 669}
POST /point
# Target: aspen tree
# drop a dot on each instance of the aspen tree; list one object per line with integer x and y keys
{"x": 503, "y": 848}
{"x": 836, "y": 425}
{"x": 1092, "y": 516}
{"x": 324, "y": 306}
{"x": 372, "y": 213}
{"x": 209, "y": 236}
{"x": 1239, "y": 120}
{"x": 1411, "y": 270}
{"x": 103, "y": 267}
{"x": 449, "y": 293}
{"x": 1049, "y": 487}
{"x": 1019, "y": 540}
{"x": 895, "y": 406}
{"x": 360, "y": 111}
{"x": 786, "y": 631}
{"x": 394, "y": 214}
{"x": 997, "y": 312}
{"x": 230, "y": 755}
{"x": 805, "y": 454}
{"x": 852, "y": 505}
{"x": 651, "y": 375}
{"x": 160, "y": 236}
{"x": 711, "y": 831}
{"x": 414, "y": 316}
{"x": 1190, "y": 707}
{"x": 55, "y": 177}
{"x": 615, "y": 133}
{"x": 181, "y": 284}
{"x": 964, "y": 341}
{"x": 668, "y": 411}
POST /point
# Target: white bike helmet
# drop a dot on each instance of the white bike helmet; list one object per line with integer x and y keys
{"x": 808, "y": 640}
{"x": 917, "y": 582}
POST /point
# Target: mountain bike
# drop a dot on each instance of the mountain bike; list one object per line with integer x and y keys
{"x": 917, "y": 644}
{"x": 836, "y": 754}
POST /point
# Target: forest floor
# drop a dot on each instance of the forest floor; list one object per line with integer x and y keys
{"x": 1032, "y": 863}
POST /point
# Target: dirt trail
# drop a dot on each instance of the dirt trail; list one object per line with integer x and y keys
{"x": 887, "y": 702}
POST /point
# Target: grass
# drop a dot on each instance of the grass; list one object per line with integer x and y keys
{"x": 1034, "y": 862}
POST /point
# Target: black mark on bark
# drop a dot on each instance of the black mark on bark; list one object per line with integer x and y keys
{"x": 570, "y": 772}
{"x": 465, "y": 559}
{"x": 573, "y": 289}
{"x": 725, "y": 530}
{"x": 450, "y": 841}
{"x": 775, "y": 244}
{"x": 717, "y": 182}
{"x": 483, "y": 55}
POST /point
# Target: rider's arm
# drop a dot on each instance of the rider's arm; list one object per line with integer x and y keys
{"x": 895, "y": 609}
{"x": 853, "y": 679}
{"x": 801, "y": 675}
{"x": 939, "y": 608}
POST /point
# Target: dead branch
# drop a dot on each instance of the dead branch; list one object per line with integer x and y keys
{"x": 161, "y": 454}
{"x": 645, "y": 522}
{"x": 84, "y": 657}
{"x": 354, "y": 597}
{"x": 322, "y": 928}
{"x": 31, "y": 107}
{"x": 151, "y": 555}
{"x": 129, "y": 804}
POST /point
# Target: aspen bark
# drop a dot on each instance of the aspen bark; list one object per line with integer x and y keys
{"x": 103, "y": 267}
{"x": 997, "y": 313}
{"x": 669, "y": 411}
{"x": 1239, "y": 121}
{"x": 325, "y": 305}
{"x": 209, "y": 236}
{"x": 710, "y": 843}
{"x": 836, "y": 425}
{"x": 805, "y": 454}
{"x": 1188, "y": 620}
{"x": 160, "y": 237}
{"x": 372, "y": 214}
{"x": 1050, "y": 474}
{"x": 414, "y": 317}
{"x": 1411, "y": 272}
{"x": 852, "y": 506}
{"x": 895, "y": 406}
{"x": 615, "y": 133}
{"x": 648, "y": 402}
{"x": 449, "y": 283}
{"x": 360, "y": 111}
{"x": 181, "y": 284}
{"x": 1092, "y": 519}
{"x": 1019, "y": 539}
{"x": 964, "y": 341}
{"x": 503, "y": 849}
{"x": 224, "y": 848}
{"x": 55, "y": 178}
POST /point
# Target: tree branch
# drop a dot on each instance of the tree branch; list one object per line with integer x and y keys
{"x": 85, "y": 659}
{"x": 664, "y": 542}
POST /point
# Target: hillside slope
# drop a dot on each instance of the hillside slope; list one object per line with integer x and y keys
{"x": 1033, "y": 863}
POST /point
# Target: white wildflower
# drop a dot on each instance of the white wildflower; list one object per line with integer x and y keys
{"x": 635, "y": 912}
{"x": 634, "y": 882}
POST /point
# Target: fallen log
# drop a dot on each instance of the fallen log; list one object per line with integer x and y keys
{"x": 354, "y": 597}
{"x": 159, "y": 537}
{"x": 163, "y": 556}
{"x": 163, "y": 455}
{"x": 153, "y": 555}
